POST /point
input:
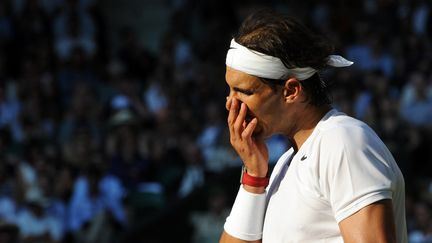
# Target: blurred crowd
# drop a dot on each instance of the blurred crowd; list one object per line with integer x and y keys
{"x": 127, "y": 144}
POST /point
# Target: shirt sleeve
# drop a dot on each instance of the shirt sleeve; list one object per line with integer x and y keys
{"x": 355, "y": 170}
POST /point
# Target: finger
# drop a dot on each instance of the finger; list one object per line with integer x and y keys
{"x": 238, "y": 124}
{"x": 228, "y": 103}
{"x": 248, "y": 131}
{"x": 232, "y": 115}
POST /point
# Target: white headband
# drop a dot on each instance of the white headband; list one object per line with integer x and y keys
{"x": 261, "y": 65}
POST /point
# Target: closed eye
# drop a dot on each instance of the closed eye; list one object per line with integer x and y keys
{"x": 244, "y": 91}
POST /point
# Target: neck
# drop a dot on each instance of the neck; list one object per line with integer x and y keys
{"x": 309, "y": 120}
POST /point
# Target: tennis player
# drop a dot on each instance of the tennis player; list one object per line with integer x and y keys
{"x": 338, "y": 182}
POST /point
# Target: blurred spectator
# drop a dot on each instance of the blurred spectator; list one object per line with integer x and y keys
{"x": 81, "y": 115}
{"x": 96, "y": 205}
{"x": 74, "y": 29}
{"x": 155, "y": 99}
{"x": 125, "y": 160}
{"x": 421, "y": 17}
{"x": 370, "y": 54}
{"x": 138, "y": 61}
{"x": 277, "y": 145}
{"x": 193, "y": 176}
{"x": 416, "y": 100}
{"x": 35, "y": 224}
{"x": 423, "y": 229}
{"x": 10, "y": 109}
{"x": 61, "y": 198}
{"x": 219, "y": 156}
{"x": 77, "y": 70}
{"x": 127, "y": 97}
{"x": 209, "y": 224}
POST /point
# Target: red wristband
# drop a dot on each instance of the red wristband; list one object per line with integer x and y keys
{"x": 249, "y": 180}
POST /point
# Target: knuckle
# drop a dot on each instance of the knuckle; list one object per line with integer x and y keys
{"x": 244, "y": 135}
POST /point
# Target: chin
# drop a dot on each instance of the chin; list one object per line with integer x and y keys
{"x": 260, "y": 135}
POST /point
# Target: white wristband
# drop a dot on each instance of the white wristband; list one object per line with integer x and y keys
{"x": 246, "y": 219}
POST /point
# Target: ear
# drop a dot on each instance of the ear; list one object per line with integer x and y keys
{"x": 292, "y": 90}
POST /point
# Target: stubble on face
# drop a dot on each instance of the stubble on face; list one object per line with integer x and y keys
{"x": 262, "y": 103}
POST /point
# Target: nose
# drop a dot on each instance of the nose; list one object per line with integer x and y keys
{"x": 230, "y": 98}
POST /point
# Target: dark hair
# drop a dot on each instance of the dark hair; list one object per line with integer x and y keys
{"x": 295, "y": 45}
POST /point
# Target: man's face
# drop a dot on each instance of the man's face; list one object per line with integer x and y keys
{"x": 262, "y": 102}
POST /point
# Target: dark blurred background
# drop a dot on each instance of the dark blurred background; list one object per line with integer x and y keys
{"x": 112, "y": 118}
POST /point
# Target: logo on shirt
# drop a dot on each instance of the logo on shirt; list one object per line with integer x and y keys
{"x": 303, "y": 158}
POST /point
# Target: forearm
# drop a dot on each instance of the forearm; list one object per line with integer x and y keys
{"x": 245, "y": 222}
{"x": 226, "y": 238}
{"x": 256, "y": 190}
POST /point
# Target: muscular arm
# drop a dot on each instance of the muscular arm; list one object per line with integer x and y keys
{"x": 226, "y": 238}
{"x": 373, "y": 223}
